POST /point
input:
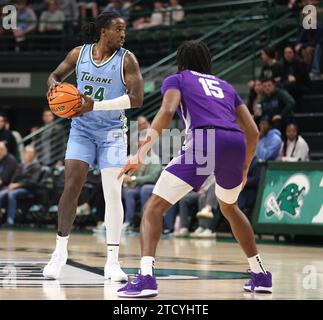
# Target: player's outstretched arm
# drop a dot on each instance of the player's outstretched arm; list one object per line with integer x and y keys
{"x": 170, "y": 103}
{"x": 64, "y": 69}
{"x": 250, "y": 130}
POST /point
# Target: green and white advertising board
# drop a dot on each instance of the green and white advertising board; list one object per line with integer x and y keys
{"x": 290, "y": 199}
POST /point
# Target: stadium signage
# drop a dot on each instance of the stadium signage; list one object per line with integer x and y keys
{"x": 290, "y": 199}
{"x": 15, "y": 80}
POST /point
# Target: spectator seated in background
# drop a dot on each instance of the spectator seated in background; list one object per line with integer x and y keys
{"x": 309, "y": 48}
{"x": 202, "y": 202}
{"x": 294, "y": 147}
{"x": 139, "y": 134}
{"x": 71, "y": 12}
{"x": 248, "y": 195}
{"x": 34, "y": 139}
{"x": 208, "y": 215}
{"x": 294, "y": 75}
{"x": 277, "y": 104}
{"x": 18, "y": 139}
{"x": 156, "y": 19}
{"x": 174, "y": 13}
{"x": 316, "y": 68}
{"x": 7, "y": 136}
{"x": 23, "y": 183}
{"x": 38, "y": 6}
{"x": 26, "y": 24}
{"x": 254, "y": 100}
{"x": 270, "y": 141}
{"x": 8, "y": 166}
{"x": 118, "y": 7}
{"x": 138, "y": 187}
{"x": 271, "y": 68}
{"x": 88, "y": 6}
{"x": 52, "y": 19}
{"x": 49, "y": 140}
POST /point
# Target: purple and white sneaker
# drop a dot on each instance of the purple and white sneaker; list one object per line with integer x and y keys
{"x": 259, "y": 283}
{"x": 140, "y": 287}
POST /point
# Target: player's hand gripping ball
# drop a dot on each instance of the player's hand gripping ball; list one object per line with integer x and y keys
{"x": 64, "y": 100}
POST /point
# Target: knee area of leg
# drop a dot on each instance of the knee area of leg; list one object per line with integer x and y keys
{"x": 227, "y": 208}
{"x": 155, "y": 205}
{"x": 72, "y": 188}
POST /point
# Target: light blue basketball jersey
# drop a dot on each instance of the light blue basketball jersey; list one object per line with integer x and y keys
{"x": 102, "y": 82}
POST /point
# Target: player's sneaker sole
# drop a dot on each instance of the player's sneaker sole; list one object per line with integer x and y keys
{"x": 147, "y": 293}
{"x": 258, "y": 289}
{"x": 140, "y": 287}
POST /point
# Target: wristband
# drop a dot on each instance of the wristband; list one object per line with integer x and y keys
{"x": 119, "y": 103}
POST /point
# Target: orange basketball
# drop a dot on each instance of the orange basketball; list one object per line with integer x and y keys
{"x": 64, "y": 99}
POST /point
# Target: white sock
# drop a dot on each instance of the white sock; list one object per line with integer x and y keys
{"x": 256, "y": 265}
{"x": 61, "y": 244}
{"x": 112, "y": 254}
{"x": 147, "y": 265}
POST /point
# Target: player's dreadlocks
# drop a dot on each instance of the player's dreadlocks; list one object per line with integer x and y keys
{"x": 194, "y": 55}
{"x": 91, "y": 31}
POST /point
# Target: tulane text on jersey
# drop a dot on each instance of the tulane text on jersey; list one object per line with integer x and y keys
{"x": 103, "y": 81}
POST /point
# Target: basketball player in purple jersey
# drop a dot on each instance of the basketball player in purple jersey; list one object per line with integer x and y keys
{"x": 216, "y": 121}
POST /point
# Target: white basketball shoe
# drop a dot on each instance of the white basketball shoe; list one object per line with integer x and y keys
{"x": 114, "y": 273}
{"x": 54, "y": 267}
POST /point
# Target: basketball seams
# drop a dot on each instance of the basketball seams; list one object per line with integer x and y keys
{"x": 52, "y": 104}
{"x": 66, "y": 112}
{"x": 73, "y": 104}
{"x": 67, "y": 98}
{"x": 72, "y": 94}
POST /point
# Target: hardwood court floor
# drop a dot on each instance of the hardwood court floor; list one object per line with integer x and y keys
{"x": 187, "y": 268}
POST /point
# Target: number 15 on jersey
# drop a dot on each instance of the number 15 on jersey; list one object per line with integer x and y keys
{"x": 211, "y": 88}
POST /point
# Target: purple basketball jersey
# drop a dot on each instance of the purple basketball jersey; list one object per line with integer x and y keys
{"x": 206, "y": 100}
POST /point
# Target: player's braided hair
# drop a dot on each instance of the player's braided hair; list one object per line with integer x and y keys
{"x": 194, "y": 55}
{"x": 91, "y": 31}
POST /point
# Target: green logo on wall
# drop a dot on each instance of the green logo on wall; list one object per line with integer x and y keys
{"x": 290, "y": 197}
{"x": 289, "y": 200}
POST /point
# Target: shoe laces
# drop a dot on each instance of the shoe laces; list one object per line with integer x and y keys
{"x": 136, "y": 282}
{"x": 133, "y": 284}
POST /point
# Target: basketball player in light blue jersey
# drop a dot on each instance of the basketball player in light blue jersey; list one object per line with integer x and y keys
{"x": 109, "y": 78}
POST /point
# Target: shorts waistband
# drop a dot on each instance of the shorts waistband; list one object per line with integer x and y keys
{"x": 206, "y": 127}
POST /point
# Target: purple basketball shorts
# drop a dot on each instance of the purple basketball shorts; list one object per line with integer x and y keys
{"x": 211, "y": 151}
